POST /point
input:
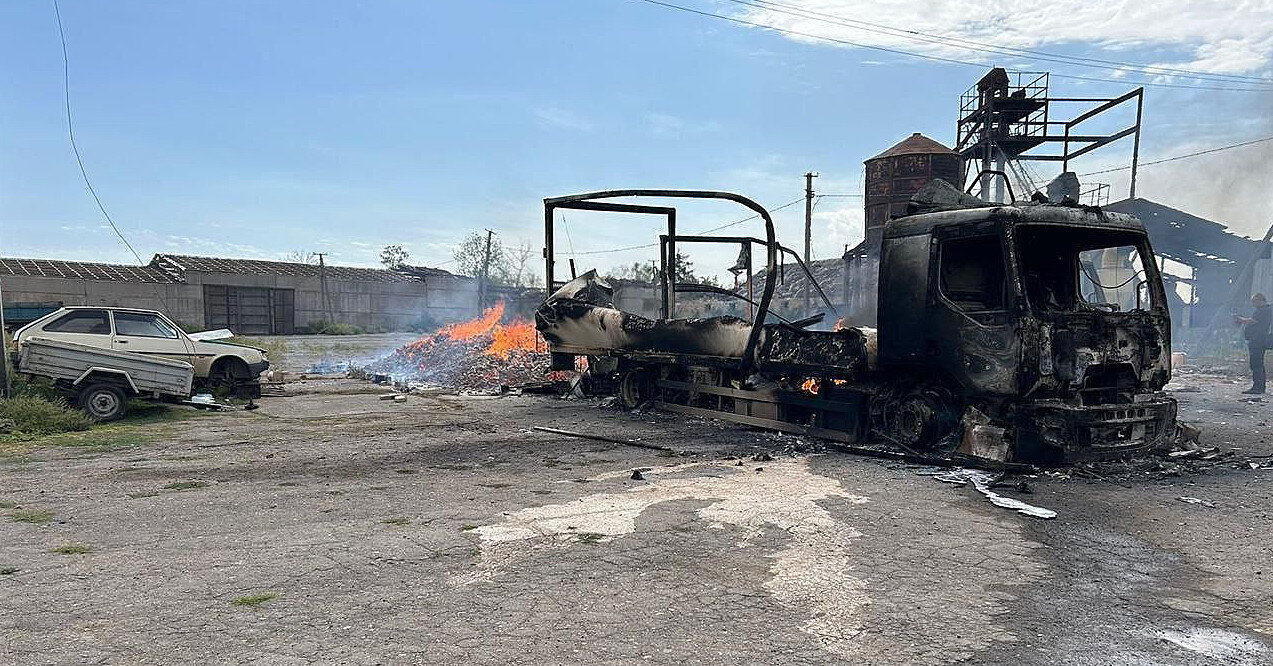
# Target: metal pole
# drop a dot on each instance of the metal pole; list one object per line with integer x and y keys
{"x": 322, "y": 287}
{"x": 548, "y": 251}
{"x": 665, "y": 292}
{"x": 808, "y": 230}
{"x": 486, "y": 273}
{"x": 4, "y": 366}
{"x": 671, "y": 264}
{"x": 751, "y": 291}
{"x": 1140, "y": 107}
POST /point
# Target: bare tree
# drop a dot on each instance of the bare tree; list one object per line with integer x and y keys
{"x": 301, "y": 257}
{"x": 516, "y": 268}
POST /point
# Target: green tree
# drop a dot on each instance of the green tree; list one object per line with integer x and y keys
{"x": 470, "y": 257}
{"x": 394, "y": 256}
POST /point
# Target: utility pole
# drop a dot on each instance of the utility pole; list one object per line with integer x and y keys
{"x": 322, "y": 287}
{"x": 808, "y": 235}
{"x": 4, "y": 363}
{"x": 486, "y": 274}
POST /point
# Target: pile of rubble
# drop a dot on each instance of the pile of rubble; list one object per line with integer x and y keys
{"x": 479, "y": 355}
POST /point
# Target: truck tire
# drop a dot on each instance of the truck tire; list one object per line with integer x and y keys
{"x": 103, "y": 401}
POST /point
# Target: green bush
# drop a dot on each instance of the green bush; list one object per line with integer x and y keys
{"x": 34, "y": 415}
{"x": 324, "y": 327}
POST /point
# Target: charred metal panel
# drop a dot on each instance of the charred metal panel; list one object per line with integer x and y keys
{"x": 903, "y": 293}
{"x": 843, "y": 354}
{"x": 576, "y": 327}
{"x": 1057, "y": 432}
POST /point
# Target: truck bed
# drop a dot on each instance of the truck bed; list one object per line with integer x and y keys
{"x": 71, "y": 362}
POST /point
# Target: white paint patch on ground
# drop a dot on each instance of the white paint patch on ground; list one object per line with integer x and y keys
{"x": 1226, "y": 647}
{"x": 811, "y": 572}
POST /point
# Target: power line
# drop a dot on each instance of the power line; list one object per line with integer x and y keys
{"x": 879, "y": 28}
{"x": 70, "y": 131}
{"x": 1185, "y": 156}
{"x": 922, "y": 56}
{"x": 705, "y": 231}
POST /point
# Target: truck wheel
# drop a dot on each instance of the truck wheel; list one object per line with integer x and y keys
{"x": 103, "y": 402}
{"x": 635, "y": 389}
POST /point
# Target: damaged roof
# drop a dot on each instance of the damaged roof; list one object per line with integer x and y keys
{"x": 828, "y": 273}
{"x": 82, "y": 270}
{"x": 183, "y": 262}
{"x": 171, "y": 268}
{"x": 915, "y": 144}
{"x": 1187, "y": 238}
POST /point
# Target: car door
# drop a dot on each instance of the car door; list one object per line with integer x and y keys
{"x": 147, "y": 333}
{"x": 87, "y": 327}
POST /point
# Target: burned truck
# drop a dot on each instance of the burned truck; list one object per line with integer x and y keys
{"x": 1030, "y": 332}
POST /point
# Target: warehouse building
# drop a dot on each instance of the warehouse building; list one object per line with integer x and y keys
{"x": 248, "y": 296}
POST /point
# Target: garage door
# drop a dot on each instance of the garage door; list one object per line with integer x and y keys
{"x": 250, "y": 310}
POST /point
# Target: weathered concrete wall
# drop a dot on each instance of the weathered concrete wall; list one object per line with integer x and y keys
{"x": 181, "y": 302}
{"x": 371, "y": 305}
{"x": 391, "y": 306}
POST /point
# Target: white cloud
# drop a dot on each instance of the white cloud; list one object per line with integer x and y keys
{"x": 564, "y": 118}
{"x": 1212, "y": 35}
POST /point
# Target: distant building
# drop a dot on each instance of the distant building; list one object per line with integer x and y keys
{"x": 1215, "y": 257}
{"x": 248, "y": 296}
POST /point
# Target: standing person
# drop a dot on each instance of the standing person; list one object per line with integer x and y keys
{"x": 1256, "y": 331}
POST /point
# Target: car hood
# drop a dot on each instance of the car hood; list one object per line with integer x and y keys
{"x": 220, "y": 347}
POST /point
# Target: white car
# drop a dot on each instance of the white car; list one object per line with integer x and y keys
{"x": 148, "y": 332}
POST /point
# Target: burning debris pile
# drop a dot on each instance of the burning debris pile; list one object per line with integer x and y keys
{"x": 481, "y": 354}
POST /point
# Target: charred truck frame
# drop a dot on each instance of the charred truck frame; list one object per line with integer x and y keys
{"x": 997, "y": 338}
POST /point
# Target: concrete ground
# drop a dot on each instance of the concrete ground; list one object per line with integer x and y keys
{"x": 331, "y": 527}
{"x": 331, "y": 353}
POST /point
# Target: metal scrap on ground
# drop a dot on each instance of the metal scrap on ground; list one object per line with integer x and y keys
{"x": 982, "y": 482}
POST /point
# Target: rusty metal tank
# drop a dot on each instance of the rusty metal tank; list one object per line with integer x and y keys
{"x": 897, "y": 173}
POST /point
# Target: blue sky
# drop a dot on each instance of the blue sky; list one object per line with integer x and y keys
{"x": 259, "y": 128}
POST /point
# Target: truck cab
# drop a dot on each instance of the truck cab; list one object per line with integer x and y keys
{"x": 1050, "y": 318}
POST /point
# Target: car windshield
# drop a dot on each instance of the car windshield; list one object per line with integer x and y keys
{"x": 1068, "y": 269}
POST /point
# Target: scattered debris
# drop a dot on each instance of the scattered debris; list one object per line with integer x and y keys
{"x": 479, "y": 355}
{"x": 602, "y": 438}
{"x": 1195, "y": 500}
{"x": 204, "y": 401}
{"x": 983, "y": 482}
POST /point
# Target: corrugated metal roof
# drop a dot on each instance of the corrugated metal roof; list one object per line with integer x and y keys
{"x": 80, "y": 270}
{"x": 915, "y": 144}
{"x": 1186, "y": 238}
{"x": 182, "y": 262}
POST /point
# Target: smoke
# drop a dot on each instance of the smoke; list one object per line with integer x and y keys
{"x": 1232, "y": 187}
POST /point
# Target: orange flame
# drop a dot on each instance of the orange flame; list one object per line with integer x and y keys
{"x": 811, "y": 385}
{"x": 474, "y": 328}
{"x": 518, "y": 335}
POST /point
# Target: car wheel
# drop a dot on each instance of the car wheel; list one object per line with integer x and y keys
{"x": 102, "y": 401}
{"x": 228, "y": 374}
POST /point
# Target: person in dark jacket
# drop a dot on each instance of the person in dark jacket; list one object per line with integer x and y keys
{"x": 1256, "y": 331}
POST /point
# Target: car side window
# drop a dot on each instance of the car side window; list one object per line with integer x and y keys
{"x": 143, "y": 326}
{"x": 81, "y": 321}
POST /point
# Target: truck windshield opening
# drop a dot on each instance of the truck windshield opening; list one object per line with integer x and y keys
{"x": 1068, "y": 269}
